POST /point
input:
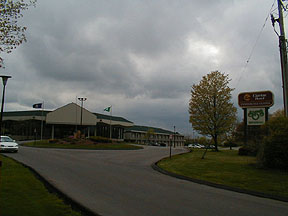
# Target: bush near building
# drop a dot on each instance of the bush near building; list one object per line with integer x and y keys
{"x": 271, "y": 147}
{"x": 255, "y": 136}
{"x": 274, "y": 151}
{"x": 250, "y": 149}
{"x": 230, "y": 143}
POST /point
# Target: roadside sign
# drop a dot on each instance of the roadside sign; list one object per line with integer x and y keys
{"x": 256, "y": 99}
{"x": 255, "y": 116}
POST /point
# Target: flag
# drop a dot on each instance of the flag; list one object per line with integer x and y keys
{"x": 37, "y": 106}
{"x": 107, "y": 109}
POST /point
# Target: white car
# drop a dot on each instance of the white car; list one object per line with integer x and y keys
{"x": 8, "y": 144}
{"x": 201, "y": 146}
{"x": 193, "y": 146}
{"x": 196, "y": 146}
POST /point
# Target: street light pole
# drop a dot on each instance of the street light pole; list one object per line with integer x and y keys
{"x": 82, "y": 100}
{"x": 4, "y": 80}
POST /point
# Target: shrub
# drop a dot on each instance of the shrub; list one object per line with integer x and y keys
{"x": 230, "y": 144}
{"x": 274, "y": 152}
{"x": 248, "y": 150}
{"x": 53, "y": 141}
{"x": 99, "y": 139}
{"x": 243, "y": 151}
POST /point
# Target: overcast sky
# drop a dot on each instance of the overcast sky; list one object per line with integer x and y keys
{"x": 141, "y": 56}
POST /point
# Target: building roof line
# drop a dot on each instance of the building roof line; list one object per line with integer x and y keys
{"x": 140, "y": 128}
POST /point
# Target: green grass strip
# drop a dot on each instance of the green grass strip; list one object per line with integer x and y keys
{"x": 21, "y": 193}
{"x": 99, "y": 146}
{"x": 228, "y": 168}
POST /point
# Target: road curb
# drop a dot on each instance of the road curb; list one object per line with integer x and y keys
{"x": 211, "y": 184}
{"x": 53, "y": 189}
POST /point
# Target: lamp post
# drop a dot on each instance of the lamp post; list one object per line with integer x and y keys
{"x": 82, "y": 100}
{"x": 4, "y": 80}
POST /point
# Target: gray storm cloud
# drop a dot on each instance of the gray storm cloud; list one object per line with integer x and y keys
{"x": 140, "y": 56}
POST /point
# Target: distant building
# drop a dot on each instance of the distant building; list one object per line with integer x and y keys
{"x": 62, "y": 122}
{"x": 152, "y": 136}
{"x": 66, "y": 120}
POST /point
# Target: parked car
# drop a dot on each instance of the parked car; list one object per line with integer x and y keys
{"x": 162, "y": 144}
{"x": 7, "y": 144}
{"x": 211, "y": 147}
{"x": 152, "y": 144}
{"x": 201, "y": 146}
{"x": 194, "y": 146}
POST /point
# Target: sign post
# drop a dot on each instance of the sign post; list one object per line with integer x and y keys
{"x": 255, "y": 106}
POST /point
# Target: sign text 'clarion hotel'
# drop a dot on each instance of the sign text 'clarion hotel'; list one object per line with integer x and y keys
{"x": 256, "y": 99}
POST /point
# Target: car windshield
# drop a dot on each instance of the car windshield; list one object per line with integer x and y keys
{"x": 6, "y": 139}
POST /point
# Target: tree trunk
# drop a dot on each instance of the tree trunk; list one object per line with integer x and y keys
{"x": 203, "y": 156}
{"x": 216, "y": 142}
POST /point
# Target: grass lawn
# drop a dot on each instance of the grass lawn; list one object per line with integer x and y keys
{"x": 21, "y": 193}
{"x": 82, "y": 144}
{"x": 227, "y": 168}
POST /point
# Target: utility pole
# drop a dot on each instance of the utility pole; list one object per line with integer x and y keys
{"x": 283, "y": 57}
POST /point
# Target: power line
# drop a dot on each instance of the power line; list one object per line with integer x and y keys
{"x": 254, "y": 46}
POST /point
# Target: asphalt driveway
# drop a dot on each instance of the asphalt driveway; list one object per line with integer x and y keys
{"x": 123, "y": 183}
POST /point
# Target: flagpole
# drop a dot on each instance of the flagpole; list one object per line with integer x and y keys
{"x": 111, "y": 123}
{"x": 42, "y": 121}
{"x": 76, "y": 121}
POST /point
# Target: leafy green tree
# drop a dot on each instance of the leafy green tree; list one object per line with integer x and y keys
{"x": 203, "y": 141}
{"x": 11, "y": 34}
{"x": 211, "y": 112}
